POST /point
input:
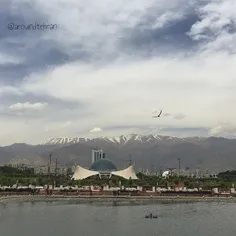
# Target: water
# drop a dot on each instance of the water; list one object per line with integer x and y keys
{"x": 116, "y": 219}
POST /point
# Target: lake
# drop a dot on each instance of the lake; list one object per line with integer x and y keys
{"x": 117, "y": 219}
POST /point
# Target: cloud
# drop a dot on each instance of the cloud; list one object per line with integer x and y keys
{"x": 8, "y": 59}
{"x": 118, "y": 58}
{"x": 217, "y": 26}
{"x": 165, "y": 83}
{"x": 224, "y": 130}
{"x": 166, "y": 18}
{"x": 185, "y": 131}
{"x": 166, "y": 114}
{"x": 95, "y": 130}
{"x": 24, "y": 110}
{"x": 58, "y": 126}
{"x": 179, "y": 116}
{"x": 6, "y": 89}
{"x": 27, "y": 106}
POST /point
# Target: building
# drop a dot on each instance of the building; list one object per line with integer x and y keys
{"x": 97, "y": 154}
{"x": 103, "y": 165}
{"x": 103, "y": 168}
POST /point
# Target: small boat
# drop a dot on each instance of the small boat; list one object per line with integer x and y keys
{"x": 151, "y": 216}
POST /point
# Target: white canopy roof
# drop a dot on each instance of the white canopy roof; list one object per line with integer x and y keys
{"x": 166, "y": 173}
{"x": 127, "y": 173}
{"x": 82, "y": 173}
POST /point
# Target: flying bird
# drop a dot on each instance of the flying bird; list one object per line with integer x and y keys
{"x": 157, "y": 115}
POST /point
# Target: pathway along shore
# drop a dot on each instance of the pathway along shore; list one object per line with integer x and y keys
{"x": 153, "y": 199}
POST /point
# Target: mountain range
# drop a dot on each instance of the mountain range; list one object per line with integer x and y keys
{"x": 147, "y": 151}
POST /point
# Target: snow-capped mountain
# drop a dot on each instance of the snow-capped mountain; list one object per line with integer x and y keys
{"x": 63, "y": 141}
{"x": 123, "y": 139}
{"x": 158, "y": 151}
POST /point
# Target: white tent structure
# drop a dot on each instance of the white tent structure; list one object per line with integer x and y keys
{"x": 166, "y": 174}
{"x": 127, "y": 173}
{"x": 82, "y": 173}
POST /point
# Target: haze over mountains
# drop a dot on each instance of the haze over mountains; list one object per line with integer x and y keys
{"x": 151, "y": 151}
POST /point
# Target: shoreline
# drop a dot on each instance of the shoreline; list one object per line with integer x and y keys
{"x": 109, "y": 199}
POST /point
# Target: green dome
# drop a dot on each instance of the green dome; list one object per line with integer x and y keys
{"x": 103, "y": 165}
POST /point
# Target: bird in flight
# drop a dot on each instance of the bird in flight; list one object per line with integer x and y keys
{"x": 157, "y": 115}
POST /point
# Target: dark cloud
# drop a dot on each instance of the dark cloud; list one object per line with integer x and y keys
{"x": 170, "y": 38}
{"x": 37, "y": 52}
{"x": 33, "y": 50}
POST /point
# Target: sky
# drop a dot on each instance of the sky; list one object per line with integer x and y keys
{"x": 104, "y": 68}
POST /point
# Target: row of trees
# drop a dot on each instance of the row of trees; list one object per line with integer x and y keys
{"x": 10, "y": 176}
{"x": 171, "y": 181}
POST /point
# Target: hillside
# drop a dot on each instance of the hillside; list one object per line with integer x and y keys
{"x": 160, "y": 152}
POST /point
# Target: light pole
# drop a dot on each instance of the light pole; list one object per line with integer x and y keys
{"x": 179, "y": 165}
{"x": 55, "y": 177}
{"x": 49, "y": 167}
{"x": 49, "y": 164}
{"x": 56, "y": 168}
{"x": 130, "y": 159}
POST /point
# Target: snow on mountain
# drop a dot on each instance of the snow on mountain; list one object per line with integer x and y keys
{"x": 62, "y": 141}
{"x": 123, "y": 139}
